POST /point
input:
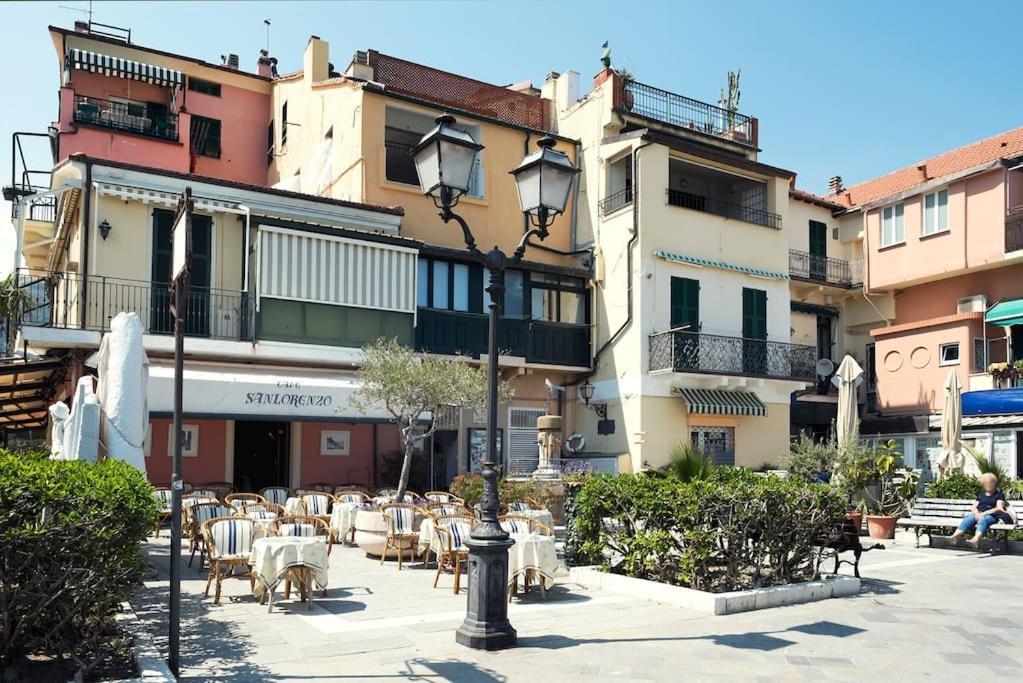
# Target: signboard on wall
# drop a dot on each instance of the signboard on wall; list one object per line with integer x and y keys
{"x": 478, "y": 448}
{"x": 236, "y": 391}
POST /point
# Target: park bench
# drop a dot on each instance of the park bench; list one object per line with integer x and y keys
{"x": 937, "y": 514}
{"x": 847, "y": 541}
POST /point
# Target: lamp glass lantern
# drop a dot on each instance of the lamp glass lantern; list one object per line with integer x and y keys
{"x": 544, "y": 181}
{"x": 444, "y": 159}
{"x": 586, "y": 392}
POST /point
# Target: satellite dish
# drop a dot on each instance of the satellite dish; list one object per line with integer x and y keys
{"x": 824, "y": 367}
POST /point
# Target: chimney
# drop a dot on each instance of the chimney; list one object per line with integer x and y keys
{"x": 266, "y": 65}
{"x": 81, "y": 27}
{"x": 359, "y": 67}
{"x": 232, "y": 61}
{"x": 923, "y": 171}
{"x": 835, "y": 185}
{"x": 316, "y": 61}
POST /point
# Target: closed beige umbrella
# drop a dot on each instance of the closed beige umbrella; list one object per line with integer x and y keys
{"x": 953, "y": 459}
{"x": 847, "y": 426}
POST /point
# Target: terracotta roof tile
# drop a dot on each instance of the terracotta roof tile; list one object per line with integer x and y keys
{"x": 811, "y": 198}
{"x": 1002, "y": 146}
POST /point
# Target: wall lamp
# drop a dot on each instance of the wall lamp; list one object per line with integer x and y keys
{"x": 586, "y": 392}
{"x": 104, "y": 229}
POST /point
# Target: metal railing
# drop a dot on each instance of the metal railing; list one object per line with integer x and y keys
{"x": 748, "y": 214}
{"x": 118, "y": 116}
{"x": 615, "y": 201}
{"x": 56, "y": 301}
{"x": 824, "y": 269}
{"x": 683, "y": 351}
{"x": 1014, "y": 229}
{"x": 685, "y": 112}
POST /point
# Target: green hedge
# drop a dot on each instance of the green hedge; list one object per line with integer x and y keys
{"x": 953, "y": 486}
{"x": 69, "y": 551}
{"x": 735, "y": 530}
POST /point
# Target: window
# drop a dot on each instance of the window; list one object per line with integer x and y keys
{"x": 460, "y": 287}
{"x": 893, "y": 230}
{"x": 979, "y": 355}
{"x": 284, "y": 123}
{"x": 717, "y": 442}
{"x": 936, "y": 212}
{"x": 619, "y": 184}
{"x": 440, "y": 284}
{"x": 948, "y": 354}
{"x": 205, "y": 87}
{"x": 557, "y": 298}
{"x": 270, "y": 144}
{"x": 403, "y": 129}
{"x": 423, "y": 284}
{"x": 514, "y": 294}
{"x": 206, "y": 136}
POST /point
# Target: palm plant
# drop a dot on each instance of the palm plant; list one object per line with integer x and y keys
{"x": 688, "y": 463}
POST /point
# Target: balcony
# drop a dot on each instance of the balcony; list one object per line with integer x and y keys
{"x": 832, "y": 271}
{"x": 126, "y": 117}
{"x": 712, "y": 354}
{"x": 56, "y": 302}
{"x": 615, "y": 201}
{"x": 718, "y": 207}
{"x": 684, "y": 112}
{"x": 455, "y": 332}
{"x": 1014, "y": 229}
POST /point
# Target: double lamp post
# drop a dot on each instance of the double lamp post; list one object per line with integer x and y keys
{"x": 445, "y": 159}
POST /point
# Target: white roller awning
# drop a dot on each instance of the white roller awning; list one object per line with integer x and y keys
{"x": 163, "y": 198}
{"x": 259, "y": 394}
{"x": 108, "y": 65}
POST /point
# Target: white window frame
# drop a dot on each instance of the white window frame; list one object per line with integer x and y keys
{"x": 926, "y": 229}
{"x": 941, "y": 354}
{"x": 893, "y": 226}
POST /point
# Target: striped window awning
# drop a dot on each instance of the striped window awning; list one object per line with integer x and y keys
{"x": 712, "y": 263}
{"x": 721, "y": 402}
{"x": 108, "y": 65}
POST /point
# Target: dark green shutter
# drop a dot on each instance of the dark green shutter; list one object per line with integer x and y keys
{"x": 685, "y": 303}
{"x": 754, "y": 313}
{"x": 818, "y": 238}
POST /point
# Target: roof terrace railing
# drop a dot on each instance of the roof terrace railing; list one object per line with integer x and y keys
{"x": 685, "y": 112}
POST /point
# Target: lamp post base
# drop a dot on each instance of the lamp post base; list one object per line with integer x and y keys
{"x": 486, "y": 625}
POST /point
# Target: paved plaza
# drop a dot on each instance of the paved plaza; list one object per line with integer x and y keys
{"x": 935, "y": 614}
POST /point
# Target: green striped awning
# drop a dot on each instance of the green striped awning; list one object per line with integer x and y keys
{"x": 711, "y": 263}
{"x": 1006, "y": 313}
{"x": 721, "y": 402}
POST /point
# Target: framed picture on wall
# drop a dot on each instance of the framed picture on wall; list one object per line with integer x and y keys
{"x": 335, "y": 442}
{"x": 189, "y": 441}
{"x": 478, "y": 448}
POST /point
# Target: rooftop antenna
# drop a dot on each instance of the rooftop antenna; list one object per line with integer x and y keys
{"x": 267, "y": 22}
{"x": 79, "y": 9}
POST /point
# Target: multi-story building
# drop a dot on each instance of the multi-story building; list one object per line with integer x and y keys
{"x": 944, "y": 240}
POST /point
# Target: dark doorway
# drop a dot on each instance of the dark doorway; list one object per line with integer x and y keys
{"x": 445, "y": 458}
{"x": 261, "y": 455}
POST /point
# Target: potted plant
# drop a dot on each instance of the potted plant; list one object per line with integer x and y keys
{"x": 626, "y": 78}
{"x": 895, "y": 490}
{"x": 854, "y": 474}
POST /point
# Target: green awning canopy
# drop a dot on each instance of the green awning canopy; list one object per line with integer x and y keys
{"x": 721, "y": 402}
{"x": 1006, "y": 313}
{"x": 711, "y": 263}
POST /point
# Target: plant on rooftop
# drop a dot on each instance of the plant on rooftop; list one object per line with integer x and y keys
{"x": 69, "y": 553}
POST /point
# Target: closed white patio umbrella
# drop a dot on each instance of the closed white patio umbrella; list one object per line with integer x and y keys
{"x": 847, "y": 426}
{"x": 123, "y": 380}
{"x": 953, "y": 459}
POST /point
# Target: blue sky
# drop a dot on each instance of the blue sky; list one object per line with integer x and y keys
{"x": 855, "y": 89}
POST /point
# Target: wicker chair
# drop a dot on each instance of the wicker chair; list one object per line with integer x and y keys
{"x": 264, "y": 513}
{"x": 187, "y": 502}
{"x": 202, "y": 513}
{"x": 164, "y": 511}
{"x": 435, "y": 509}
{"x": 320, "y": 487}
{"x": 222, "y": 488}
{"x": 351, "y": 496}
{"x": 387, "y": 492}
{"x": 402, "y": 535}
{"x": 451, "y": 531}
{"x": 318, "y": 505}
{"x": 518, "y": 506}
{"x": 203, "y": 492}
{"x": 521, "y": 524}
{"x": 228, "y": 541}
{"x": 238, "y": 500}
{"x": 442, "y": 497}
{"x": 303, "y": 525}
{"x": 276, "y": 494}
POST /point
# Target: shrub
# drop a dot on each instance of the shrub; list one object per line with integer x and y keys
{"x": 808, "y": 458}
{"x": 957, "y": 485}
{"x": 469, "y": 487}
{"x": 735, "y": 530}
{"x": 69, "y": 552}
{"x": 687, "y": 463}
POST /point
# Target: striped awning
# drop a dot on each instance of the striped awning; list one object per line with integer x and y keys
{"x": 721, "y": 402}
{"x": 108, "y": 65}
{"x": 712, "y": 263}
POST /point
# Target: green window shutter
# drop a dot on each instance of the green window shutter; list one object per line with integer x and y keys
{"x": 685, "y": 303}
{"x": 818, "y": 238}
{"x": 754, "y": 313}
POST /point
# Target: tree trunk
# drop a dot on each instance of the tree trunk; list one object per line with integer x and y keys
{"x": 406, "y": 465}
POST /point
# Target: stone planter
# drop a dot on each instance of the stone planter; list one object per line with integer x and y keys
{"x": 881, "y": 526}
{"x": 371, "y": 532}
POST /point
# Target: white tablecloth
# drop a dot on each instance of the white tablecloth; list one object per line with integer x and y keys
{"x": 294, "y": 506}
{"x": 342, "y": 519}
{"x": 532, "y": 551}
{"x": 274, "y": 557}
{"x": 427, "y": 537}
{"x": 543, "y": 516}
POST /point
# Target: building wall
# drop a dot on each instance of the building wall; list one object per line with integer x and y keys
{"x": 935, "y": 299}
{"x": 209, "y": 465}
{"x": 354, "y": 468}
{"x": 975, "y": 238}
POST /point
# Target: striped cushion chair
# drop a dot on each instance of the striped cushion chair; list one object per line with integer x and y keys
{"x": 229, "y": 541}
{"x": 237, "y": 500}
{"x": 351, "y": 497}
{"x": 402, "y": 535}
{"x": 516, "y": 525}
{"x": 452, "y": 531}
{"x": 438, "y": 509}
{"x": 317, "y": 504}
{"x": 519, "y": 506}
{"x": 164, "y": 510}
{"x": 275, "y": 494}
{"x": 307, "y": 527}
{"x": 200, "y": 514}
{"x": 439, "y": 496}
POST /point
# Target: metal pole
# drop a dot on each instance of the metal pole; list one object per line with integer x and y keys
{"x": 174, "y": 628}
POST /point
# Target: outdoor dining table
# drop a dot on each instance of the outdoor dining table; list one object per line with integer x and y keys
{"x": 543, "y": 516}
{"x": 532, "y": 555}
{"x": 294, "y": 506}
{"x": 342, "y": 520}
{"x": 300, "y": 559}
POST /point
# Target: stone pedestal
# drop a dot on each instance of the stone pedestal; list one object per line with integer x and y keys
{"x": 486, "y": 625}
{"x": 549, "y": 440}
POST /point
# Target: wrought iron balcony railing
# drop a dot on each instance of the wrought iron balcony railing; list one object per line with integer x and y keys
{"x": 806, "y": 266}
{"x": 615, "y": 201}
{"x": 748, "y": 214}
{"x": 685, "y": 112}
{"x": 1014, "y": 229}
{"x": 683, "y": 351}
{"x": 56, "y": 301}
{"x": 127, "y": 117}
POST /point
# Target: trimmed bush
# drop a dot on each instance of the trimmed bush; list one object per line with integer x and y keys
{"x": 69, "y": 552}
{"x": 469, "y": 487}
{"x": 953, "y": 486}
{"x": 733, "y": 531}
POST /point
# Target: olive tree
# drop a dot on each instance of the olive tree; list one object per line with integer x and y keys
{"x": 410, "y": 385}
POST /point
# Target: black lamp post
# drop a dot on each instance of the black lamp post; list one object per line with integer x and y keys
{"x": 444, "y": 160}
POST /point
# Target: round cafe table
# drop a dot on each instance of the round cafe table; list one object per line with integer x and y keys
{"x": 298, "y": 559}
{"x": 342, "y": 520}
{"x": 532, "y": 555}
{"x": 543, "y": 516}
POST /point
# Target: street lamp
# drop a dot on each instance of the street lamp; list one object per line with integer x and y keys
{"x": 444, "y": 160}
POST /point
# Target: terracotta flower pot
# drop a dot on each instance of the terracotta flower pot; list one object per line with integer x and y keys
{"x": 857, "y": 519}
{"x": 881, "y": 526}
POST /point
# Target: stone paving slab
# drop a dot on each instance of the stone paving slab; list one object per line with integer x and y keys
{"x": 922, "y": 614}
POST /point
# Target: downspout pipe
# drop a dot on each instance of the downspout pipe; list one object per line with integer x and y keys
{"x": 86, "y": 218}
